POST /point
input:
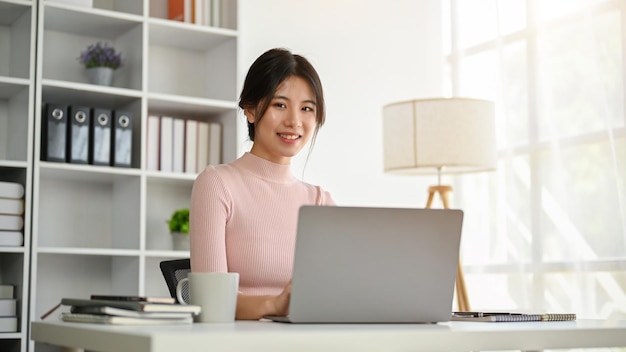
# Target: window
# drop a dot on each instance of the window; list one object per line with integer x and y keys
{"x": 547, "y": 230}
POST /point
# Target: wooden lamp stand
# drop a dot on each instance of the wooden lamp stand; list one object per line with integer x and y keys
{"x": 461, "y": 292}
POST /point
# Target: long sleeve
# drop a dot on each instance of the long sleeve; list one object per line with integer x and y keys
{"x": 209, "y": 211}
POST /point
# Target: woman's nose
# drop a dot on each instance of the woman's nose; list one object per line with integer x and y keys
{"x": 293, "y": 118}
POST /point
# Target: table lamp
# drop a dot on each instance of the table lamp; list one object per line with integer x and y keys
{"x": 436, "y": 136}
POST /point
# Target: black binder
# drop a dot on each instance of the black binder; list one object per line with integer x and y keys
{"x": 54, "y": 132}
{"x": 78, "y": 134}
{"x": 100, "y": 149}
{"x": 122, "y": 139}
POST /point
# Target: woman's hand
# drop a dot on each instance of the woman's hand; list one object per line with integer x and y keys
{"x": 281, "y": 302}
{"x": 256, "y": 307}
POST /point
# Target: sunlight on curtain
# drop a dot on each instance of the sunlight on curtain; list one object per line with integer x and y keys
{"x": 547, "y": 230}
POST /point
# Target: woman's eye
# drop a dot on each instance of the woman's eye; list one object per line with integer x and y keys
{"x": 307, "y": 108}
{"x": 280, "y": 105}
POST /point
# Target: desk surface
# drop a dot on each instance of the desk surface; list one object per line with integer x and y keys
{"x": 275, "y": 337}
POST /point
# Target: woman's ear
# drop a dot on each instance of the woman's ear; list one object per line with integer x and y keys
{"x": 249, "y": 114}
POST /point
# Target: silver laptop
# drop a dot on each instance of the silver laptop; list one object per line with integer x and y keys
{"x": 374, "y": 265}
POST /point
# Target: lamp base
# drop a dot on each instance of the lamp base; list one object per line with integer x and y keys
{"x": 443, "y": 191}
{"x": 461, "y": 292}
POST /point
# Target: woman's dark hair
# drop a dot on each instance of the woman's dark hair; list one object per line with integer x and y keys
{"x": 267, "y": 72}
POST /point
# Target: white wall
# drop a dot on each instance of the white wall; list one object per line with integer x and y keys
{"x": 368, "y": 53}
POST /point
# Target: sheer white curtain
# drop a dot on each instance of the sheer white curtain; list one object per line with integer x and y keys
{"x": 547, "y": 230}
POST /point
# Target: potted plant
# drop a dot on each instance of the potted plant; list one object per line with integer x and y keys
{"x": 179, "y": 228}
{"x": 100, "y": 60}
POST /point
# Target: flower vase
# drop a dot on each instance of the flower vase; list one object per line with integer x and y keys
{"x": 100, "y": 75}
{"x": 180, "y": 241}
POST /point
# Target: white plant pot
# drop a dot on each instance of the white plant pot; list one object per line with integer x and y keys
{"x": 180, "y": 241}
{"x": 100, "y": 75}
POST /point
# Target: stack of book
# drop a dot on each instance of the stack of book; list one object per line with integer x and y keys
{"x": 128, "y": 310}
{"x": 8, "y": 309}
{"x": 182, "y": 145}
{"x": 11, "y": 214}
{"x": 214, "y": 13}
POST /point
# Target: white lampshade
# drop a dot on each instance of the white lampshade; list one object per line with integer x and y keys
{"x": 450, "y": 135}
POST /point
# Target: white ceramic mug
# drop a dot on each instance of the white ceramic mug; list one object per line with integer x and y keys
{"x": 215, "y": 293}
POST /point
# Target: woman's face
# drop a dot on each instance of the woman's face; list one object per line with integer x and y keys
{"x": 288, "y": 123}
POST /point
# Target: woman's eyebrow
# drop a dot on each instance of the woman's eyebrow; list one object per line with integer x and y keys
{"x": 310, "y": 101}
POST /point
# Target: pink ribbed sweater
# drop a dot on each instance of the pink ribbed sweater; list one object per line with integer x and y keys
{"x": 243, "y": 218}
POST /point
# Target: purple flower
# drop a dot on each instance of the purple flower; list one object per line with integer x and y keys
{"x": 100, "y": 55}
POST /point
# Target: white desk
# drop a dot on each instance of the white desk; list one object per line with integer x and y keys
{"x": 266, "y": 336}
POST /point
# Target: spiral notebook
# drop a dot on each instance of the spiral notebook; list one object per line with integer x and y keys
{"x": 511, "y": 317}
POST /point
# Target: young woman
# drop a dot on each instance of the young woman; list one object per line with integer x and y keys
{"x": 243, "y": 214}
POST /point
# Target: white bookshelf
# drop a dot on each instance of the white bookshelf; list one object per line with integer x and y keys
{"x": 17, "y": 48}
{"x": 101, "y": 229}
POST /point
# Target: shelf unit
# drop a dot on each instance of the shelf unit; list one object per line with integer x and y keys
{"x": 101, "y": 229}
{"x": 17, "y": 73}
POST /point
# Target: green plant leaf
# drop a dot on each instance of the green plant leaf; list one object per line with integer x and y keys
{"x": 179, "y": 222}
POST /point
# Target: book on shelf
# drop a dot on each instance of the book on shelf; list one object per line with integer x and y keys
{"x": 176, "y": 10}
{"x": 8, "y": 307}
{"x": 209, "y": 144}
{"x": 191, "y": 143}
{"x": 8, "y": 324}
{"x": 166, "y": 144}
{"x": 153, "y": 142}
{"x": 178, "y": 145}
{"x": 151, "y": 299}
{"x": 11, "y": 222}
{"x": 7, "y": 291}
{"x": 198, "y": 12}
{"x": 132, "y": 305}
{"x": 190, "y": 9}
{"x": 83, "y": 3}
{"x": 206, "y": 16}
{"x": 11, "y": 206}
{"x": 228, "y": 14}
{"x": 11, "y": 238}
{"x": 510, "y": 317}
{"x": 215, "y": 144}
{"x": 181, "y": 10}
{"x": 216, "y": 12}
{"x": 11, "y": 190}
{"x": 202, "y": 152}
{"x": 120, "y": 320}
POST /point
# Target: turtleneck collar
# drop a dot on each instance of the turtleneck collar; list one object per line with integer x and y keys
{"x": 265, "y": 169}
